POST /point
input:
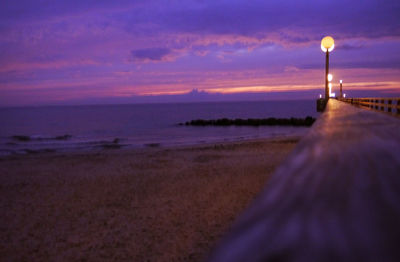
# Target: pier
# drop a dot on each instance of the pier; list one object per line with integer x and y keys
{"x": 336, "y": 197}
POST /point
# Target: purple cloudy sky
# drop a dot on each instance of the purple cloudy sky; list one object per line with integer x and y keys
{"x": 89, "y": 51}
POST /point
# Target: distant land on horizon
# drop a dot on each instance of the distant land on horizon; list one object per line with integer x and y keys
{"x": 203, "y": 96}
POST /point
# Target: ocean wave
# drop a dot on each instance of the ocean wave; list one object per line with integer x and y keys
{"x": 24, "y": 138}
{"x": 21, "y": 144}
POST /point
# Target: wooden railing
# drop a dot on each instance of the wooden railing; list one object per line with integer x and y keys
{"x": 335, "y": 198}
{"x": 389, "y": 105}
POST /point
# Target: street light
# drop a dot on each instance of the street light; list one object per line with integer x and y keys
{"x": 327, "y": 46}
{"x": 330, "y": 77}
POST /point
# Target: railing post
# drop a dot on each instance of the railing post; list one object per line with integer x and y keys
{"x": 389, "y": 106}
{"x": 398, "y": 109}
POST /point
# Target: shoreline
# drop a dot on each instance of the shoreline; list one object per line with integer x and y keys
{"x": 157, "y": 204}
{"x": 115, "y": 147}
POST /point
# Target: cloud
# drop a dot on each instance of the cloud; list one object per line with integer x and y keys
{"x": 382, "y": 64}
{"x": 295, "y": 22}
{"x": 291, "y": 69}
{"x": 372, "y": 19}
{"x": 228, "y": 42}
{"x": 150, "y": 54}
{"x": 350, "y": 46}
{"x": 27, "y": 10}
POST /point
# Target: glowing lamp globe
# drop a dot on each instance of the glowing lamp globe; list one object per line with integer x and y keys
{"x": 327, "y": 44}
{"x": 330, "y": 77}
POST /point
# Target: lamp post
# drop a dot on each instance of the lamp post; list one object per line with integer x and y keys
{"x": 341, "y": 90}
{"x": 327, "y": 45}
{"x": 330, "y": 77}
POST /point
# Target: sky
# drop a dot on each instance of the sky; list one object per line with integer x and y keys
{"x": 120, "y": 51}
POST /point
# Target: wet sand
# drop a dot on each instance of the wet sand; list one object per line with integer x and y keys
{"x": 151, "y": 204}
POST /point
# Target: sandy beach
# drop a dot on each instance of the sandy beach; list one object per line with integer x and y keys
{"x": 149, "y": 204}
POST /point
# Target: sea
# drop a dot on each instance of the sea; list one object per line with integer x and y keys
{"x": 27, "y": 130}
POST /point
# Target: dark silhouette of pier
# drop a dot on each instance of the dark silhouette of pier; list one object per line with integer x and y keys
{"x": 336, "y": 197}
